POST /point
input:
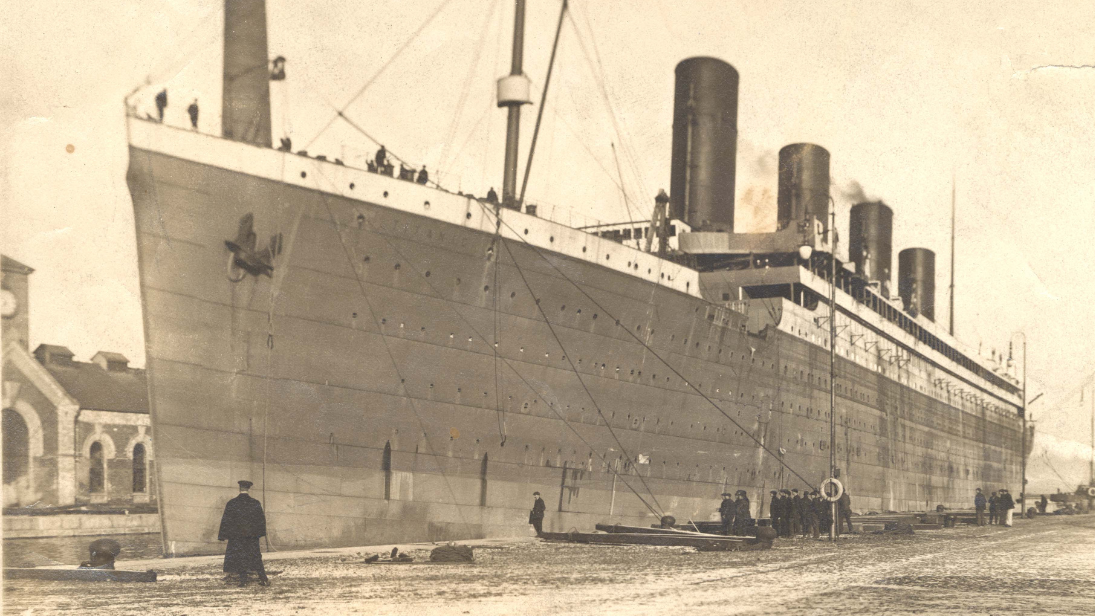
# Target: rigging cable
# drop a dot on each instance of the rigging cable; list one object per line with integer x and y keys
{"x": 574, "y": 368}
{"x": 566, "y": 423}
{"x": 543, "y": 102}
{"x": 351, "y": 261}
{"x": 563, "y": 275}
{"x": 341, "y": 111}
{"x": 451, "y": 135}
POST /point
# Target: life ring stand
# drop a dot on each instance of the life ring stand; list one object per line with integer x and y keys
{"x": 235, "y": 273}
{"x": 839, "y": 489}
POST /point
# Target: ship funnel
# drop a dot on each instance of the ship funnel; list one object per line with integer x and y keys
{"x": 245, "y": 108}
{"x": 803, "y": 184}
{"x": 870, "y": 244}
{"x": 916, "y": 281}
{"x": 705, "y": 143}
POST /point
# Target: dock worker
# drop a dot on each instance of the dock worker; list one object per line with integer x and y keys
{"x": 726, "y": 513}
{"x": 795, "y": 514}
{"x": 1042, "y": 504}
{"x": 775, "y": 510}
{"x": 810, "y": 507}
{"x": 193, "y": 111}
{"x": 423, "y": 176}
{"x": 844, "y": 511}
{"x": 741, "y": 514}
{"x": 824, "y": 514}
{"x": 785, "y": 513}
{"x": 242, "y": 524}
{"x": 161, "y": 102}
{"x": 1007, "y": 507}
{"x": 979, "y": 504}
{"x": 993, "y": 499}
{"x": 536, "y": 516}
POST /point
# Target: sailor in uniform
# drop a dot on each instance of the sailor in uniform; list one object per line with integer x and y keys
{"x": 242, "y": 524}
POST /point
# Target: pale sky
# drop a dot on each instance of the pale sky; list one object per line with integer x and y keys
{"x": 902, "y": 96}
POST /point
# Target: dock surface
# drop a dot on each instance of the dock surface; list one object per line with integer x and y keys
{"x": 1042, "y": 566}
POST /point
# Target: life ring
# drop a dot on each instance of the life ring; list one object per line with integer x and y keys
{"x": 1091, "y": 492}
{"x": 235, "y": 272}
{"x": 839, "y": 489}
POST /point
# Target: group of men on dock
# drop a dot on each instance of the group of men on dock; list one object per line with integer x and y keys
{"x": 807, "y": 514}
{"x": 1000, "y": 507}
{"x": 734, "y": 513}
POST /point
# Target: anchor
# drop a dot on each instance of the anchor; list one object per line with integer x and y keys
{"x": 244, "y": 259}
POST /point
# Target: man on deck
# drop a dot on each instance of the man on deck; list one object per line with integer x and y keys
{"x": 242, "y": 524}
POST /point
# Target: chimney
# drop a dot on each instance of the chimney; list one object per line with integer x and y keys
{"x": 245, "y": 107}
{"x": 705, "y": 144}
{"x": 111, "y": 362}
{"x": 803, "y": 184}
{"x": 870, "y": 244}
{"x": 53, "y": 354}
{"x": 916, "y": 281}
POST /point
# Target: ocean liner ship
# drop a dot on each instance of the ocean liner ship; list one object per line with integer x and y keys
{"x": 391, "y": 362}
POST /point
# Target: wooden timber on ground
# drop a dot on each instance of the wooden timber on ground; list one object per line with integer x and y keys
{"x": 700, "y": 541}
{"x": 78, "y": 575}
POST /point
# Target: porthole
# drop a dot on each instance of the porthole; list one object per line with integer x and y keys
{"x": 303, "y": 174}
{"x": 468, "y": 215}
{"x": 351, "y": 185}
{"x": 513, "y": 295}
{"x": 563, "y": 307}
{"x": 427, "y": 273}
{"x": 551, "y": 239}
{"x": 366, "y": 258}
{"x": 594, "y": 316}
{"x": 583, "y": 248}
{"x": 396, "y": 266}
{"x": 385, "y": 193}
{"x": 486, "y": 287}
{"x": 607, "y": 257}
{"x": 526, "y": 231}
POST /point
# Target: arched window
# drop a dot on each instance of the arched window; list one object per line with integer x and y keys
{"x": 96, "y": 472}
{"x": 140, "y": 466}
{"x": 16, "y": 442}
{"x": 386, "y": 466}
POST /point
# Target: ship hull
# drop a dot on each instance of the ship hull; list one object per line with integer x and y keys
{"x": 401, "y": 378}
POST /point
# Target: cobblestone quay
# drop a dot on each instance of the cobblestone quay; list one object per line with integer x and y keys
{"x": 1043, "y": 566}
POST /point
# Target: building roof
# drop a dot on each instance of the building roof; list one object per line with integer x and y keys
{"x": 8, "y": 264}
{"x": 93, "y": 386}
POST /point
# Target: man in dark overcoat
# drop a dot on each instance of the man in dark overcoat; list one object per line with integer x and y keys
{"x": 844, "y": 512}
{"x": 775, "y": 511}
{"x": 242, "y": 524}
{"x": 787, "y": 512}
{"x": 536, "y": 516}
{"x": 796, "y": 512}
{"x": 726, "y": 513}
{"x": 742, "y": 514}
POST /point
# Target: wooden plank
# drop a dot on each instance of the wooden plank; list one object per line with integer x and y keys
{"x": 78, "y": 575}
